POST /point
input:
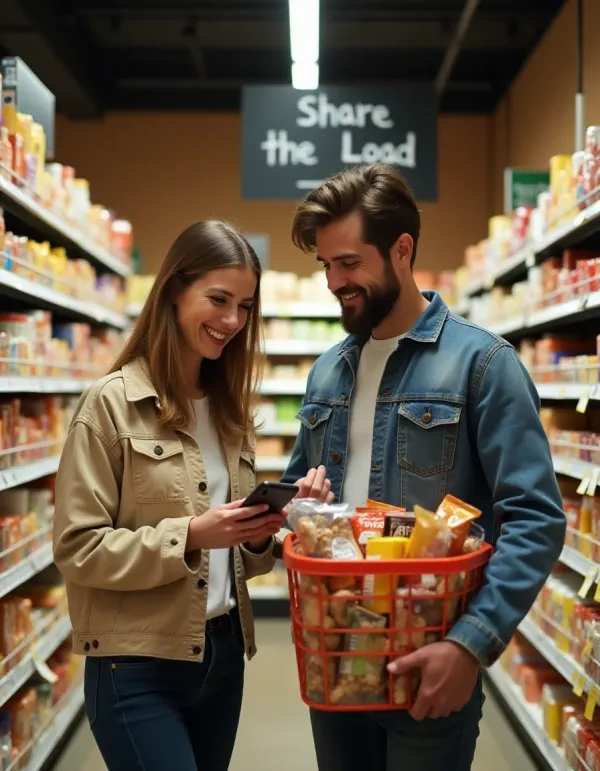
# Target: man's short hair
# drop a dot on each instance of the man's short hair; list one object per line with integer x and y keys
{"x": 378, "y": 191}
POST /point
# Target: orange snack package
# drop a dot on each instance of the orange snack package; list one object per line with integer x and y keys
{"x": 381, "y": 506}
{"x": 366, "y": 524}
{"x": 458, "y": 516}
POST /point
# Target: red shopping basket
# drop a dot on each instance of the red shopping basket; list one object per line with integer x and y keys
{"x": 351, "y": 617}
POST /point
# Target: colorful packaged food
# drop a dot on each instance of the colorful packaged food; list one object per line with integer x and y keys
{"x": 361, "y": 678}
{"x": 399, "y": 524}
{"x": 366, "y": 524}
{"x": 381, "y": 506}
{"x": 379, "y": 589}
{"x": 458, "y": 515}
{"x": 431, "y": 536}
{"x": 324, "y": 530}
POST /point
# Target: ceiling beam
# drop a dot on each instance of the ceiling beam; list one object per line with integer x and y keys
{"x": 59, "y": 52}
{"x": 453, "y": 50}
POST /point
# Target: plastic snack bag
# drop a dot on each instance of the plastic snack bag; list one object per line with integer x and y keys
{"x": 431, "y": 536}
{"x": 458, "y": 516}
{"x": 362, "y": 679}
{"x": 324, "y": 530}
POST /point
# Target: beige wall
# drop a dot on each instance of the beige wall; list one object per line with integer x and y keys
{"x": 537, "y": 119}
{"x": 163, "y": 171}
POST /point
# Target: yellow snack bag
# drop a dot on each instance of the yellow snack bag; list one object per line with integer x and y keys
{"x": 431, "y": 536}
{"x": 382, "y": 587}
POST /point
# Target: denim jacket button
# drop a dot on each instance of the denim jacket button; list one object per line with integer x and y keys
{"x": 336, "y": 457}
{"x": 313, "y": 419}
{"x": 427, "y": 417}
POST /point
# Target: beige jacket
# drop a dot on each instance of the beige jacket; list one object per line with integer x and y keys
{"x": 126, "y": 492}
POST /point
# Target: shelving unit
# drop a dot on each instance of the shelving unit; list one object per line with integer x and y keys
{"x": 28, "y": 289}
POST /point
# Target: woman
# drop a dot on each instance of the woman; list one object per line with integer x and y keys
{"x": 157, "y": 594}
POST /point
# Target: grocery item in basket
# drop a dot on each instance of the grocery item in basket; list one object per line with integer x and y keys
{"x": 459, "y": 516}
{"x": 324, "y": 530}
{"x": 474, "y": 540}
{"x": 379, "y": 589}
{"x": 399, "y": 524}
{"x": 339, "y": 607}
{"x": 317, "y": 668}
{"x": 431, "y": 536}
{"x": 362, "y": 679}
{"x": 381, "y": 506}
{"x": 366, "y": 524}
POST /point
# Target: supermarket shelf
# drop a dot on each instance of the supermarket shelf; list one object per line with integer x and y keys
{"x": 510, "y": 269}
{"x": 577, "y": 562}
{"x": 26, "y": 289}
{"x": 54, "y": 733}
{"x": 259, "y": 592}
{"x": 585, "y": 226}
{"x": 570, "y": 467}
{"x": 43, "y": 385}
{"x": 570, "y": 391}
{"x": 283, "y": 387}
{"x": 28, "y": 568}
{"x": 265, "y": 463}
{"x": 29, "y": 211}
{"x": 44, "y": 648}
{"x": 298, "y": 347}
{"x": 562, "y": 662}
{"x": 20, "y": 475}
{"x": 134, "y": 310}
{"x": 548, "y": 319}
{"x": 308, "y": 310}
{"x": 529, "y": 716}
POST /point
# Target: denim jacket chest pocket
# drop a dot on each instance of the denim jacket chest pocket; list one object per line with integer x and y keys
{"x": 316, "y": 419}
{"x": 427, "y": 435}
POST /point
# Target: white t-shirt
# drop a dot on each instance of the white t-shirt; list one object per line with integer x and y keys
{"x": 220, "y": 596}
{"x": 373, "y": 358}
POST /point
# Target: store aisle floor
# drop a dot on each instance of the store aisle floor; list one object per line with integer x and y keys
{"x": 274, "y": 721}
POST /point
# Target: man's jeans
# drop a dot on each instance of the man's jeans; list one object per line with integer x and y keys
{"x": 151, "y": 714}
{"x": 393, "y": 741}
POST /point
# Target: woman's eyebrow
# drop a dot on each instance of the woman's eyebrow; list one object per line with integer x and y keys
{"x": 229, "y": 294}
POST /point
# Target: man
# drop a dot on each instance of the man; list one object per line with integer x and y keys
{"x": 414, "y": 404}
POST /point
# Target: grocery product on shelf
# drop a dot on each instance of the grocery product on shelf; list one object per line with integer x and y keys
{"x": 52, "y": 267}
{"x": 32, "y": 428}
{"x": 32, "y": 344}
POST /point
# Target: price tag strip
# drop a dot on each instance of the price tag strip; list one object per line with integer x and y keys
{"x": 590, "y": 578}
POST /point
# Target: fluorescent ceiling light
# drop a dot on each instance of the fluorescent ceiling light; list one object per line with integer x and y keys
{"x": 305, "y": 76}
{"x": 304, "y": 30}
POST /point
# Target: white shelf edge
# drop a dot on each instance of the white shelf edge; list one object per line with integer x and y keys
{"x": 298, "y": 347}
{"x": 570, "y": 391}
{"x": 529, "y": 716}
{"x": 562, "y": 662}
{"x": 43, "y": 385}
{"x": 268, "y": 592}
{"x": 570, "y": 467}
{"x": 93, "y": 250}
{"x": 87, "y": 309}
{"x": 280, "y": 387}
{"x": 577, "y": 561}
{"x": 45, "y": 647}
{"x": 265, "y": 463}
{"x": 301, "y": 310}
{"x": 281, "y": 429}
{"x": 20, "y": 475}
{"x": 53, "y": 734}
{"x": 29, "y": 567}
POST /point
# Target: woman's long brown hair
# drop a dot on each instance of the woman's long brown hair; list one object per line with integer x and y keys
{"x": 229, "y": 381}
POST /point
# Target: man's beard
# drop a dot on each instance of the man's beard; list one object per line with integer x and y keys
{"x": 377, "y": 305}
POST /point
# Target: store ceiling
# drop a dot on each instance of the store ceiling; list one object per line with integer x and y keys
{"x": 98, "y": 55}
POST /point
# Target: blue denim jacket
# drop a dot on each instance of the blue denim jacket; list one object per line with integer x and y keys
{"x": 456, "y": 413}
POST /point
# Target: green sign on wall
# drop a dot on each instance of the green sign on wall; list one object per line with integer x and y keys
{"x": 522, "y": 187}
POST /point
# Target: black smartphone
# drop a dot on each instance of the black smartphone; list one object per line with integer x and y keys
{"x": 276, "y": 494}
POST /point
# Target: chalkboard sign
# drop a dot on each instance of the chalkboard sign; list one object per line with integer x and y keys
{"x": 293, "y": 140}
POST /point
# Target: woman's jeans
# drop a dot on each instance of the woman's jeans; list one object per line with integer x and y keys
{"x": 150, "y": 714}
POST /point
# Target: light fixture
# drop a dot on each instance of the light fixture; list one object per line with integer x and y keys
{"x": 304, "y": 43}
{"x": 305, "y": 77}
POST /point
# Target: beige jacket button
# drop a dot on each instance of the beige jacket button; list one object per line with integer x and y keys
{"x": 196, "y": 650}
{"x": 202, "y": 487}
{"x": 174, "y": 541}
{"x": 158, "y": 450}
{"x": 86, "y": 647}
{"x": 201, "y": 583}
{"x": 95, "y": 644}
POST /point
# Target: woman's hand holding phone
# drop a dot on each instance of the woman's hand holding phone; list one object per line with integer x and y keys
{"x": 231, "y": 525}
{"x": 316, "y": 485}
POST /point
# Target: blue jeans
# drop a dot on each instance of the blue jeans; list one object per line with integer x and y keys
{"x": 150, "y": 714}
{"x": 393, "y": 741}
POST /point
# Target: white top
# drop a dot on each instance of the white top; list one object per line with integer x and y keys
{"x": 220, "y": 595}
{"x": 373, "y": 358}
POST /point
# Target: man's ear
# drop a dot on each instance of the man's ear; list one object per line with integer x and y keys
{"x": 402, "y": 250}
